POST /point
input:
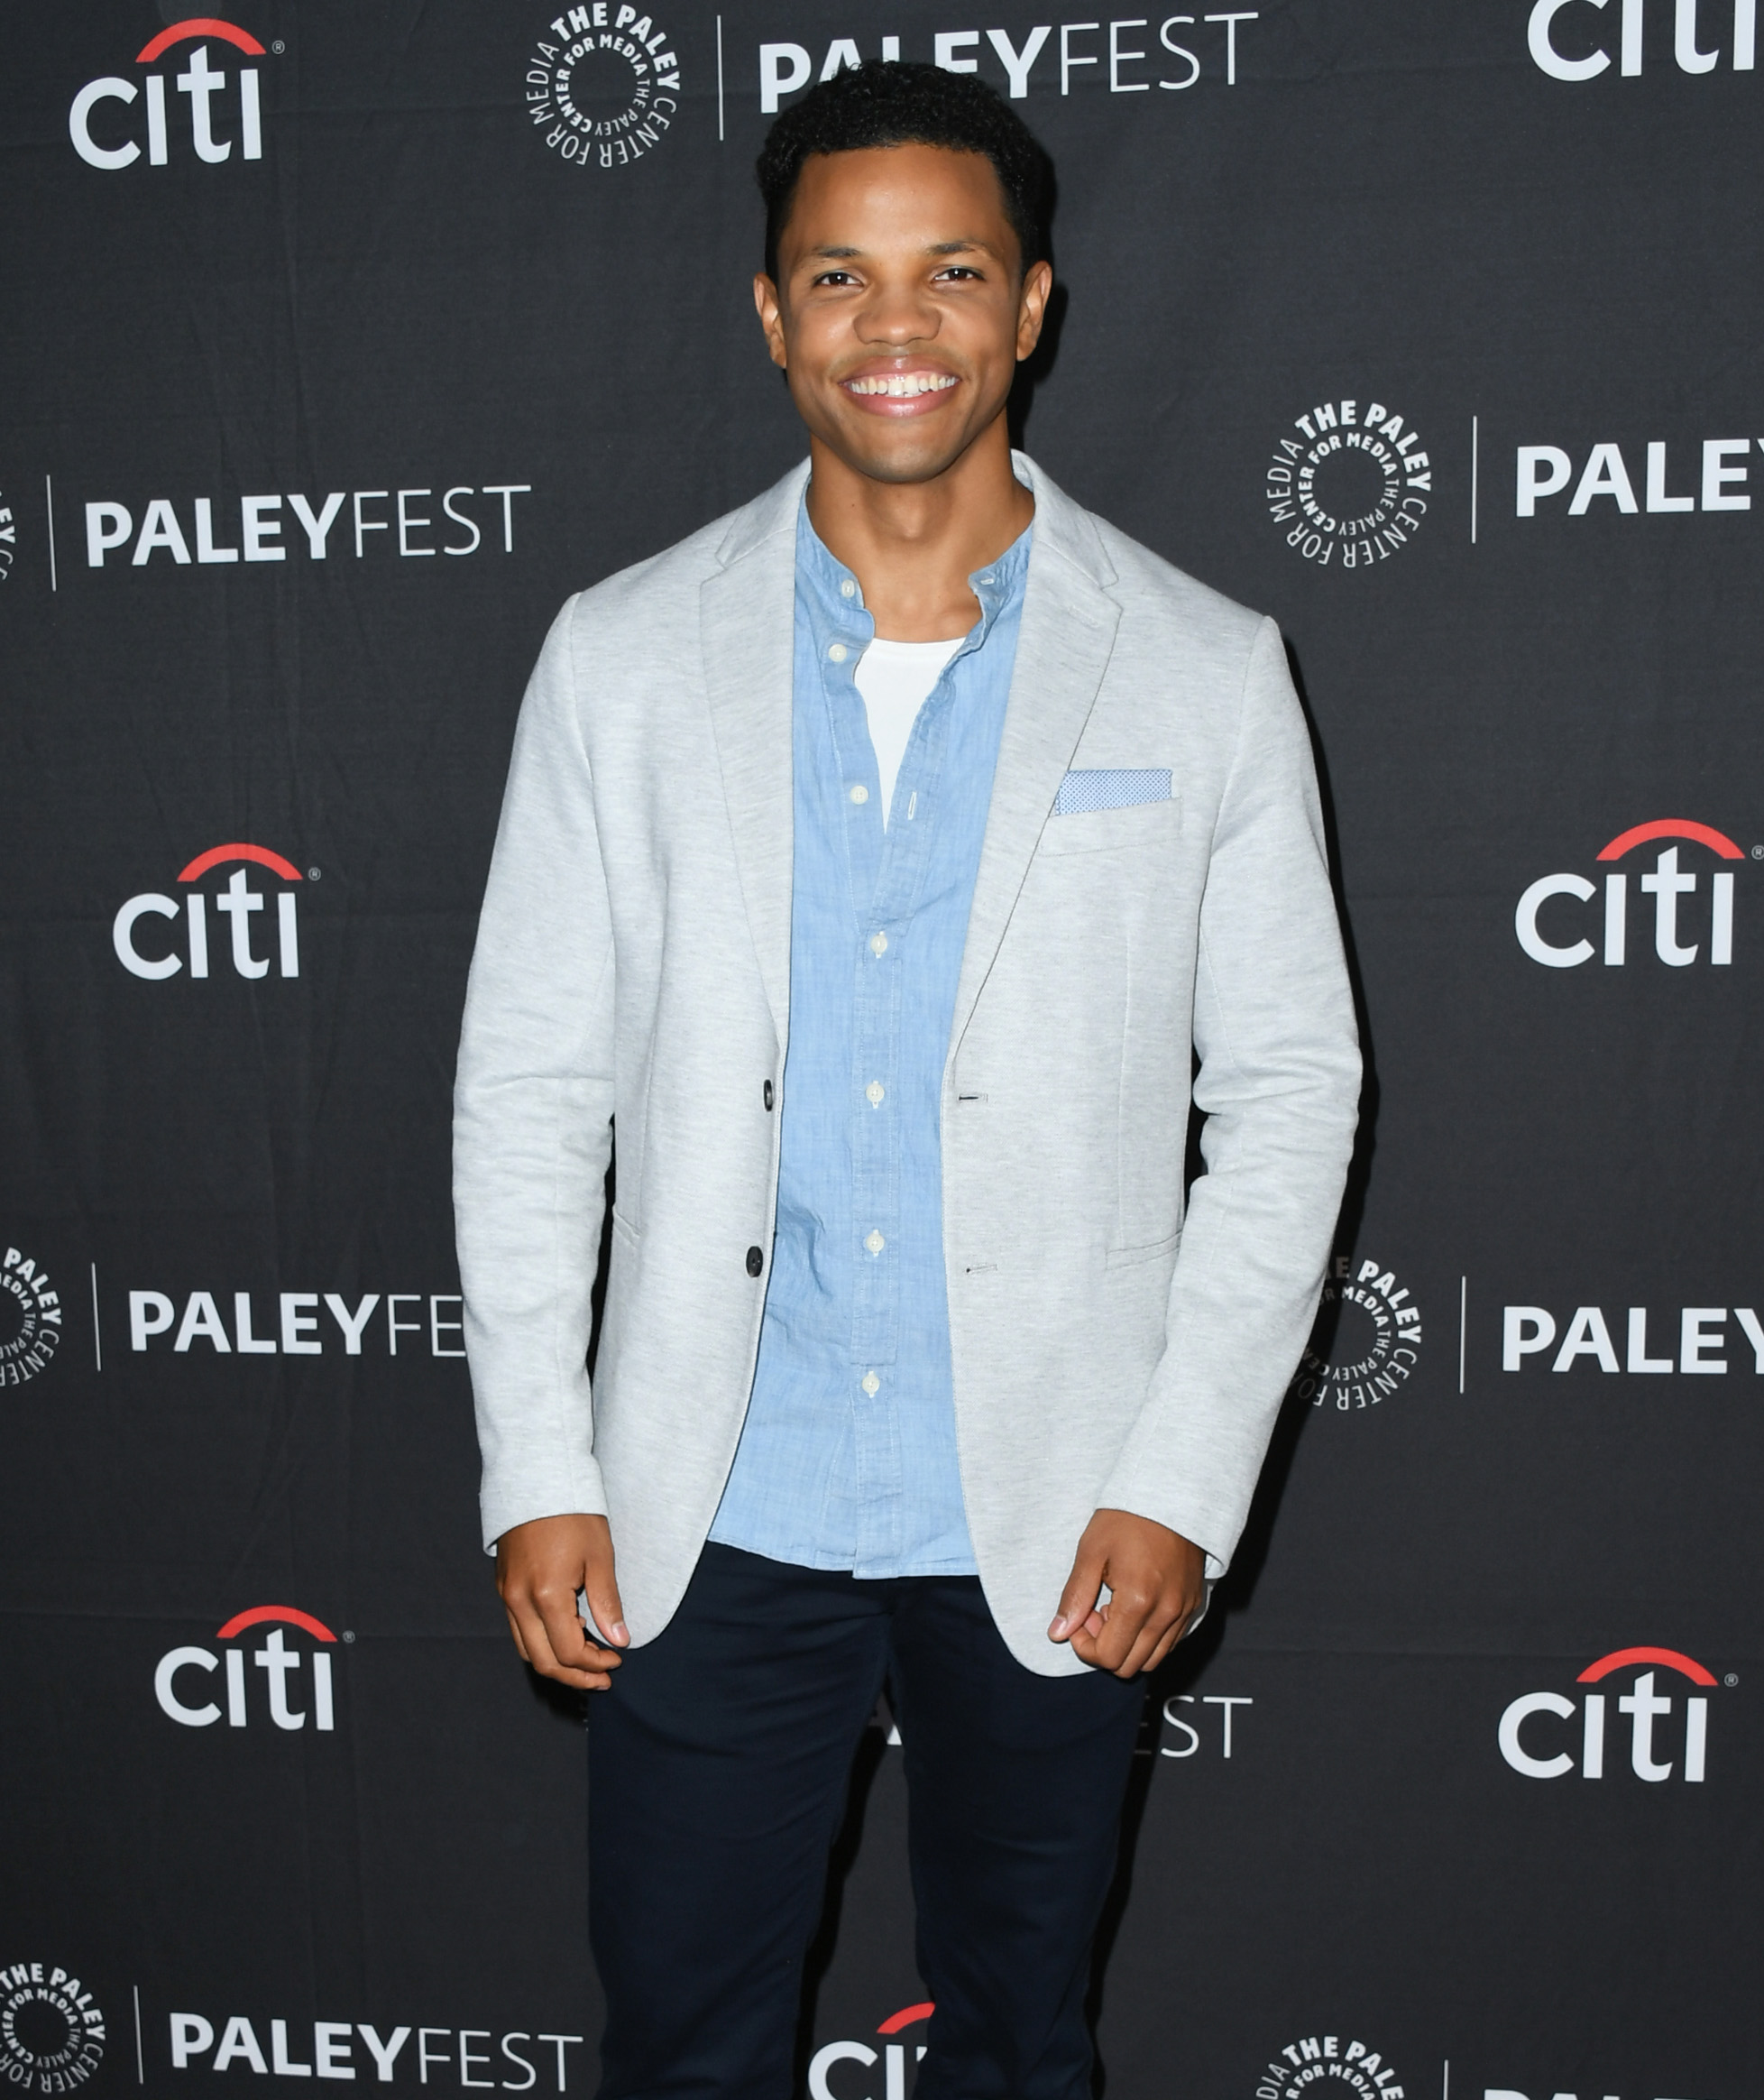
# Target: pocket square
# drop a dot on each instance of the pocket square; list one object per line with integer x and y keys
{"x": 1111, "y": 788}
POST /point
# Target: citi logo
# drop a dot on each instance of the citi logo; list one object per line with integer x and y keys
{"x": 1562, "y": 49}
{"x": 892, "y": 2057}
{"x": 237, "y": 903}
{"x": 1539, "y": 1751}
{"x": 1667, "y": 883}
{"x": 281, "y": 1665}
{"x": 214, "y": 108}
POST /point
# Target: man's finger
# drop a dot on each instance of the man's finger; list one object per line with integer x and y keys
{"x": 1078, "y": 1600}
{"x": 1152, "y": 1636}
{"x": 571, "y": 1641}
{"x": 580, "y": 1665}
{"x": 1109, "y": 1649}
{"x": 1160, "y": 1652}
{"x": 604, "y": 1609}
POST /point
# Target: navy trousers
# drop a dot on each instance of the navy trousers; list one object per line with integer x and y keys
{"x": 719, "y": 1764}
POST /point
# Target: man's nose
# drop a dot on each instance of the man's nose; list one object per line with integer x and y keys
{"x": 897, "y": 314}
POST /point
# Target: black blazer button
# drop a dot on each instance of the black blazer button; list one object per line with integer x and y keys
{"x": 756, "y": 1261}
{"x": 768, "y": 1093}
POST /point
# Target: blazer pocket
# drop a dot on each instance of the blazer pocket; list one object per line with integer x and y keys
{"x": 1131, "y": 1257}
{"x": 1094, "y": 831}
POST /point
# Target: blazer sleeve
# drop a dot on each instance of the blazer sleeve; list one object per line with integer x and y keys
{"x": 1278, "y": 1081}
{"x": 533, "y": 1102}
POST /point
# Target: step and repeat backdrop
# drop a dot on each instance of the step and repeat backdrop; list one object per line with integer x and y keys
{"x": 342, "y": 343}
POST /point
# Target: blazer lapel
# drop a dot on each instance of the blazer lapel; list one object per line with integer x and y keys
{"x": 747, "y": 629}
{"x": 1063, "y": 646}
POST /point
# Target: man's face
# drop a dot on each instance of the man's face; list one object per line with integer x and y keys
{"x": 900, "y": 313}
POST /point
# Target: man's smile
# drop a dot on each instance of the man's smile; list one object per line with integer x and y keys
{"x": 894, "y": 392}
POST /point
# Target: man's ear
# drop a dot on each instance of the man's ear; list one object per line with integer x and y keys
{"x": 765, "y": 304}
{"x": 1032, "y": 308}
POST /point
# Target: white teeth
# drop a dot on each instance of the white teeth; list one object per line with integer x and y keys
{"x": 901, "y": 385}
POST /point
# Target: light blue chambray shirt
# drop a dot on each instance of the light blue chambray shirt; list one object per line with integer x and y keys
{"x": 848, "y": 1456}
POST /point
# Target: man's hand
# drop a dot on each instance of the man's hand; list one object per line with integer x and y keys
{"x": 1156, "y": 1579}
{"x": 539, "y": 1568}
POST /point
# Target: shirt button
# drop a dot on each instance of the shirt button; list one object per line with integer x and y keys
{"x": 875, "y": 1242}
{"x": 878, "y": 942}
{"x": 848, "y": 589}
{"x": 872, "y": 1384}
{"x": 873, "y": 1093}
{"x": 756, "y": 1261}
{"x": 860, "y": 793}
{"x": 836, "y": 654}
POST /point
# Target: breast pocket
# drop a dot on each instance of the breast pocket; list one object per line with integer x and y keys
{"x": 1097, "y": 831}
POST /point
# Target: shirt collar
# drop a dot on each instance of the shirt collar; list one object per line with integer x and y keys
{"x": 835, "y": 597}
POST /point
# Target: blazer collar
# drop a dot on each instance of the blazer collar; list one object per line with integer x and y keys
{"x": 747, "y": 624}
{"x": 1063, "y": 650}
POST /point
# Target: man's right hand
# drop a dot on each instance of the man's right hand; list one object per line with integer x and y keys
{"x": 539, "y": 1568}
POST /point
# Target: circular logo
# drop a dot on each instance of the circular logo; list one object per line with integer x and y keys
{"x": 51, "y": 2033}
{"x": 1367, "y": 1342}
{"x": 1349, "y": 487}
{"x": 29, "y": 1318}
{"x": 1327, "y": 2066}
{"x": 606, "y": 90}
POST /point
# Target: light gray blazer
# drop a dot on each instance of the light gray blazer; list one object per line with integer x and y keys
{"x": 632, "y": 964}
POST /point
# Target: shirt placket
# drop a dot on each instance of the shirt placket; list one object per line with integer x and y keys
{"x": 887, "y": 868}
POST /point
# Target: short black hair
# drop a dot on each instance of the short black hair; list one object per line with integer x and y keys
{"x": 898, "y": 103}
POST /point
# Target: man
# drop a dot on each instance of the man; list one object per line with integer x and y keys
{"x": 876, "y": 862}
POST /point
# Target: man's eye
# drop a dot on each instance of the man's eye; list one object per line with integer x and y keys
{"x": 960, "y": 270}
{"x": 835, "y": 277}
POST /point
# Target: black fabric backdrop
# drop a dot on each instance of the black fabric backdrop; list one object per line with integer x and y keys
{"x": 1434, "y": 1858}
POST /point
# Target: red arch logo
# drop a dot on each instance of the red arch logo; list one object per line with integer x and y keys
{"x": 908, "y": 2016}
{"x": 198, "y": 25}
{"x": 216, "y": 856}
{"x": 1673, "y": 827}
{"x": 286, "y": 1614}
{"x": 1627, "y": 1658}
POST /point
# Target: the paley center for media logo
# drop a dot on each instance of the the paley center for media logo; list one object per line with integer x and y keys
{"x": 1366, "y": 1343}
{"x": 602, "y": 84}
{"x": 1348, "y": 483}
{"x": 52, "y": 2028}
{"x": 209, "y": 112}
{"x": 30, "y": 1317}
{"x": 1329, "y": 2067}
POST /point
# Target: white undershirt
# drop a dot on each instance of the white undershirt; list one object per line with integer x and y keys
{"x": 895, "y": 679}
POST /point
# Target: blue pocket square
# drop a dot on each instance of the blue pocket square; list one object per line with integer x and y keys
{"x": 1111, "y": 788}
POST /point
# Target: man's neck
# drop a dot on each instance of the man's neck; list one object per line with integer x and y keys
{"x": 914, "y": 545}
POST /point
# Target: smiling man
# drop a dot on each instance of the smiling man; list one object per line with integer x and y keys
{"x": 896, "y": 914}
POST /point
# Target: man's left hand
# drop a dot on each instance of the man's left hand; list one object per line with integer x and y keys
{"x": 1157, "y": 1582}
